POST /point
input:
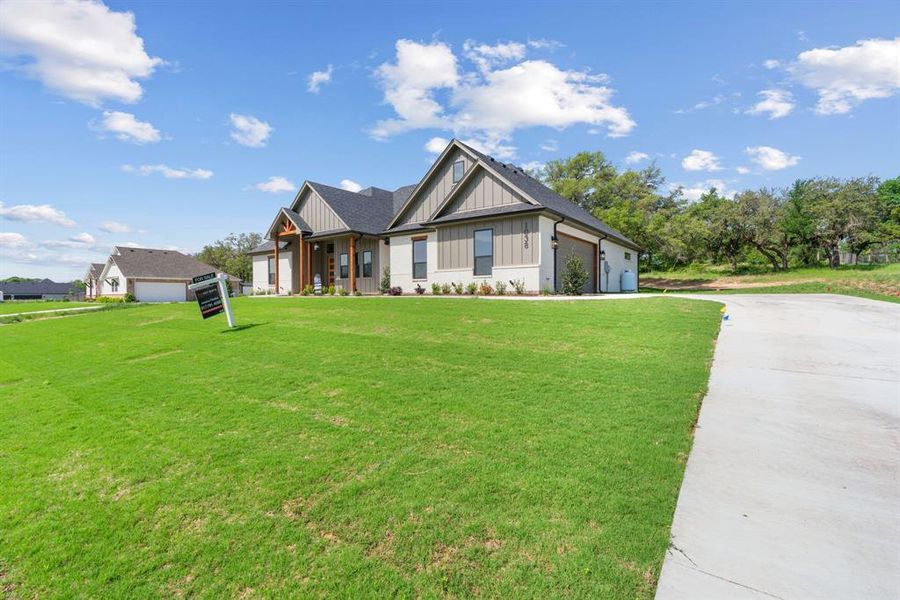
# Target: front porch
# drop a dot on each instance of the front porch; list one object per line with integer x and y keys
{"x": 343, "y": 259}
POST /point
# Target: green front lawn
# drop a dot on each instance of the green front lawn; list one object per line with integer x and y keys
{"x": 372, "y": 447}
{"x": 26, "y": 306}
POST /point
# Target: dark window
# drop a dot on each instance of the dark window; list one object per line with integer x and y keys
{"x": 628, "y": 256}
{"x": 484, "y": 251}
{"x": 420, "y": 259}
{"x": 459, "y": 168}
{"x": 345, "y": 267}
{"x": 356, "y": 264}
{"x": 114, "y": 284}
{"x": 367, "y": 263}
{"x": 329, "y": 248}
{"x": 271, "y": 270}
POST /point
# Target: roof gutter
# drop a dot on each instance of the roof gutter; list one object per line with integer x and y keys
{"x": 554, "y": 242}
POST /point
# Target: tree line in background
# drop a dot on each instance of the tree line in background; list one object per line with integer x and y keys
{"x": 807, "y": 224}
{"x": 230, "y": 255}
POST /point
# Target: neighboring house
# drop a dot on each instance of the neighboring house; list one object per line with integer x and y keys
{"x": 470, "y": 218}
{"x": 153, "y": 275}
{"x": 41, "y": 290}
{"x": 92, "y": 281}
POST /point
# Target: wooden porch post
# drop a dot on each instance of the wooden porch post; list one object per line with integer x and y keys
{"x": 276, "y": 263}
{"x": 309, "y": 268}
{"x": 352, "y": 264}
{"x": 300, "y": 266}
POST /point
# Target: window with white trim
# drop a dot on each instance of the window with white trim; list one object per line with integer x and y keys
{"x": 271, "y": 270}
{"x": 344, "y": 264}
{"x": 367, "y": 263}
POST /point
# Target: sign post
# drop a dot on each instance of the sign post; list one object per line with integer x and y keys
{"x": 212, "y": 296}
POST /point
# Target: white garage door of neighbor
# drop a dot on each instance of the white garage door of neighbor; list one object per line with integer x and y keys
{"x": 158, "y": 291}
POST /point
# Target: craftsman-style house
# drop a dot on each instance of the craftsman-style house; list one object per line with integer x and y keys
{"x": 470, "y": 218}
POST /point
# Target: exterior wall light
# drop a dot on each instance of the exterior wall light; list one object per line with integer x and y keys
{"x": 603, "y": 255}
{"x": 554, "y": 242}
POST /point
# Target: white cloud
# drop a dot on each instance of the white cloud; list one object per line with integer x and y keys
{"x": 488, "y": 57}
{"x": 636, "y": 157}
{"x": 772, "y": 63}
{"x": 771, "y": 159}
{"x": 714, "y": 101}
{"x": 350, "y": 185}
{"x": 533, "y": 166}
{"x": 409, "y": 86}
{"x": 79, "y": 49}
{"x": 701, "y": 160}
{"x": 692, "y": 193}
{"x": 114, "y": 227}
{"x": 36, "y": 213}
{"x": 550, "y": 146}
{"x": 319, "y": 78}
{"x": 845, "y": 77}
{"x": 544, "y": 44}
{"x": 83, "y": 238}
{"x": 490, "y": 103}
{"x": 436, "y": 145}
{"x": 168, "y": 172}
{"x": 743, "y": 170}
{"x": 13, "y": 240}
{"x": 275, "y": 185}
{"x": 127, "y": 128}
{"x": 775, "y": 103}
{"x": 250, "y": 131}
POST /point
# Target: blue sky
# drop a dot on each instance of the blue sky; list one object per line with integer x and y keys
{"x": 159, "y": 124}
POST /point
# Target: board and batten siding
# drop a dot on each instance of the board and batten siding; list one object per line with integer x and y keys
{"x": 435, "y": 190}
{"x": 317, "y": 214}
{"x": 366, "y": 285}
{"x": 515, "y": 242}
{"x": 485, "y": 190}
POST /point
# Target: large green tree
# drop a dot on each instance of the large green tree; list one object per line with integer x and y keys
{"x": 230, "y": 254}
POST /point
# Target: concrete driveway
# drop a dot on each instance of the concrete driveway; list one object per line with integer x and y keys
{"x": 792, "y": 488}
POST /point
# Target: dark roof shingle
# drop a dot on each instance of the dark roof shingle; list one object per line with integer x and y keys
{"x": 361, "y": 213}
{"x": 162, "y": 264}
{"x": 34, "y": 288}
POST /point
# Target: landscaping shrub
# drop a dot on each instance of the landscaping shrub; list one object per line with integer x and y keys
{"x": 110, "y": 300}
{"x": 307, "y": 290}
{"x": 458, "y": 288}
{"x": 472, "y": 288}
{"x": 396, "y": 291}
{"x": 419, "y": 289}
{"x": 436, "y": 289}
{"x": 445, "y": 288}
{"x": 342, "y": 291}
{"x": 574, "y": 276}
{"x": 518, "y": 285}
{"x": 501, "y": 288}
{"x": 331, "y": 289}
{"x": 546, "y": 291}
{"x": 129, "y": 297}
{"x": 385, "y": 285}
{"x": 357, "y": 293}
{"x": 485, "y": 289}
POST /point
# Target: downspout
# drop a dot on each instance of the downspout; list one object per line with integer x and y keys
{"x": 554, "y": 241}
{"x": 600, "y": 265}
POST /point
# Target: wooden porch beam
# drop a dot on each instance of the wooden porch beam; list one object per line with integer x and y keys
{"x": 352, "y": 264}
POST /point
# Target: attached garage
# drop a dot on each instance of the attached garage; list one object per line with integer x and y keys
{"x": 160, "y": 291}
{"x": 586, "y": 251}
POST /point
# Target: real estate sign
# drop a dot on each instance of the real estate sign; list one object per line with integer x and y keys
{"x": 212, "y": 296}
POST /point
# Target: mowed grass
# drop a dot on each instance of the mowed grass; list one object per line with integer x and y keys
{"x": 363, "y": 447}
{"x": 878, "y": 282}
{"x": 26, "y": 306}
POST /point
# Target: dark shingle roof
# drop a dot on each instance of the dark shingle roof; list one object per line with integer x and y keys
{"x": 361, "y": 213}
{"x": 96, "y": 268}
{"x": 155, "y": 263}
{"x": 401, "y": 195}
{"x": 547, "y": 197}
{"x": 268, "y": 246}
{"x": 485, "y": 212}
{"x": 34, "y": 288}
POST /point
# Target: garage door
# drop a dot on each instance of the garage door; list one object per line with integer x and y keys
{"x": 585, "y": 251}
{"x": 157, "y": 291}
